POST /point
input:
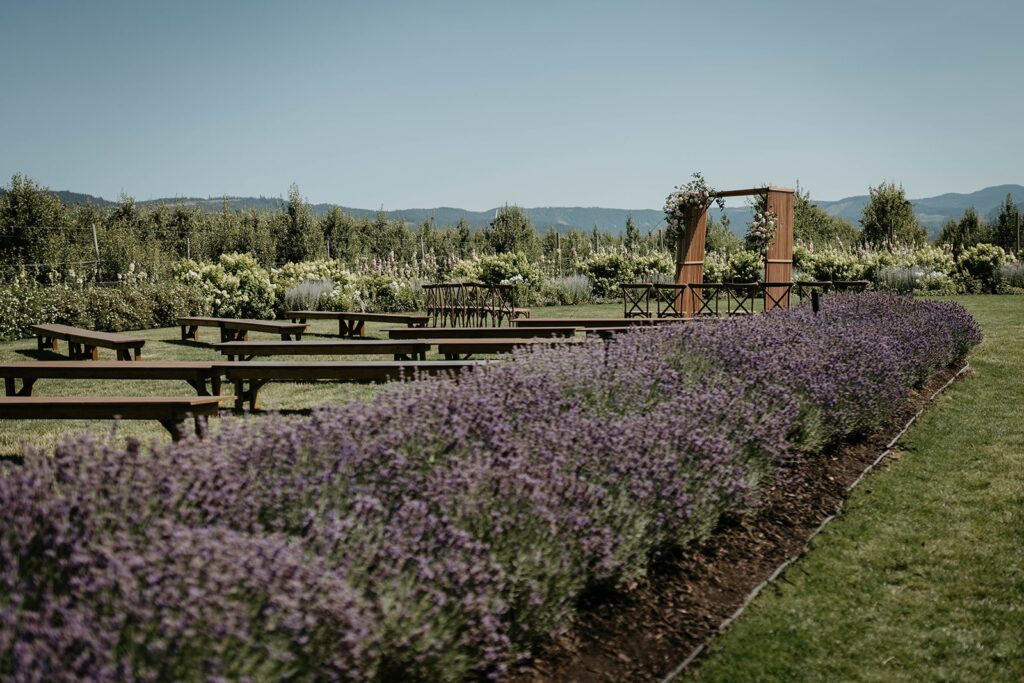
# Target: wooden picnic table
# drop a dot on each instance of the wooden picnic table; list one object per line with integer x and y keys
{"x": 478, "y": 332}
{"x": 237, "y": 329}
{"x": 462, "y": 349}
{"x": 83, "y": 343}
{"x": 351, "y": 323}
{"x": 249, "y": 377}
{"x": 584, "y": 323}
{"x": 169, "y": 411}
{"x": 400, "y": 349}
{"x": 196, "y": 373}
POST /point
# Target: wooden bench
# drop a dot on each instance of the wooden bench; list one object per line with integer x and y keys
{"x": 479, "y": 332}
{"x": 237, "y": 329}
{"x": 351, "y": 323}
{"x": 196, "y": 373}
{"x": 584, "y": 323}
{"x": 462, "y": 349}
{"x": 82, "y": 343}
{"x": 170, "y": 411}
{"x": 248, "y": 378}
{"x": 400, "y": 349}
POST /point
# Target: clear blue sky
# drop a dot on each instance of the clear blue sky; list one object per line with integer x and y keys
{"x": 475, "y": 104}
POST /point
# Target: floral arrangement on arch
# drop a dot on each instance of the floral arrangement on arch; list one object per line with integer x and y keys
{"x": 761, "y": 233}
{"x": 695, "y": 195}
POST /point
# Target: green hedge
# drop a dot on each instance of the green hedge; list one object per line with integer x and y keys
{"x": 134, "y": 306}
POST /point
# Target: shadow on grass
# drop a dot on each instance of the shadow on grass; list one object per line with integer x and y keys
{"x": 191, "y": 343}
{"x": 45, "y": 354}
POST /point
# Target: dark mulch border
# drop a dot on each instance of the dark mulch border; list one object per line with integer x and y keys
{"x": 644, "y": 633}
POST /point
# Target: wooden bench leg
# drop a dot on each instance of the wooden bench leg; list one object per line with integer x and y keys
{"x": 138, "y": 353}
{"x": 201, "y": 426}
{"x": 240, "y": 395}
{"x": 9, "y": 386}
{"x": 285, "y": 336}
{"x": 252, "y": 394}
{"x": 175, "y": 426}
{"x": 360, "y": 330}
{"x": 92, "y": 353}
{"x": 190, "y": 332}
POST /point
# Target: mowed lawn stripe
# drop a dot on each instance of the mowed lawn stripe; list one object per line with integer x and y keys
{"x": 922, "y": 579}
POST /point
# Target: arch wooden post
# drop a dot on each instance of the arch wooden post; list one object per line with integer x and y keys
{"x": 778, "y": 264}
{"x": 690, "y": 259}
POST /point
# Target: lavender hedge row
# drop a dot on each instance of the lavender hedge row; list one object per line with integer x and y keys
{"x": 441, "y": 531}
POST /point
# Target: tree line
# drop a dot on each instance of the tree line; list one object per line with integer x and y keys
{"x": 48, "y": 239}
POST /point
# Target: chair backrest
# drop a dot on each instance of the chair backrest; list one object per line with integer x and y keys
{"x": 740, "y": 298}
{"x": 669, "y": 300}
{"x": 636, "y": 300}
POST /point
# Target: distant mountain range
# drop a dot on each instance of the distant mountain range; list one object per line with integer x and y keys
{"x": 932, "y": 212}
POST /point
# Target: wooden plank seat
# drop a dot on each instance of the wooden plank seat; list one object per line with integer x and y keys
{"x": 584, "y": 323}
{"x": 350, "y": 323}
{"x": 249, "y": 378}
{"x": 170, "y": 411}
{"x": 196, "y": 373}
{"x": 463, "y": 349}
{"x": 238, "y": 329}
{"x": 83, "y": 344}
{"x": 478, "y": 332}
{"x": 400, "y": 349}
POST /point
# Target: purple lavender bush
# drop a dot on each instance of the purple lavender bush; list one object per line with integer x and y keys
{"x": 441, "y": 531}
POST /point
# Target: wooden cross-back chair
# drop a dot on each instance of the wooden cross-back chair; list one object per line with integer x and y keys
{"x": 776, "y": 294}
{"x": 636, "y": 300}
{"x": 740, "y": 298}
{"x": 704, "y": 298}
{"x": 668, "y": 300}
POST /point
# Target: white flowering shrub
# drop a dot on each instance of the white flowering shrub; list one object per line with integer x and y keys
{"x": 131, "y": 306}
{"x": 689, "y": 199}
{"x": 980, "y": 267}
{"x": 235, "y": 287}
{"x": 716, "y": 266}
{"x": 746, "y": 266}
{"x": 607, "y": 269}
{"x": 761, "y": 231}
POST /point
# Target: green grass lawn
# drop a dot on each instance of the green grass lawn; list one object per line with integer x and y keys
{"x": 165, "y": 344}
{"x": 922, "y": 578}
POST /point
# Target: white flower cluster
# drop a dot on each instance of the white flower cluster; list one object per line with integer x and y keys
{"x": 761, "y": 233}
{"x": 684, "y": 200}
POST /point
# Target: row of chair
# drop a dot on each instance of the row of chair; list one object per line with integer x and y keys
{"x": 468, "y": 304}
{"x": 721, "y": 298}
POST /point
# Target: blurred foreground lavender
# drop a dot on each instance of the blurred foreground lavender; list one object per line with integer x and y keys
{"x": 441, "y": 531}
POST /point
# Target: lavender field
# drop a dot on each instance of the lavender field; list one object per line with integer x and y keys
{"x": 443, "y": 530}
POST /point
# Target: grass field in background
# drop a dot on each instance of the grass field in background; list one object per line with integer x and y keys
{"x": 922, "y": 578}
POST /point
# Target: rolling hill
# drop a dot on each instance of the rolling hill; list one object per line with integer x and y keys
{"x": 932, "y": 212}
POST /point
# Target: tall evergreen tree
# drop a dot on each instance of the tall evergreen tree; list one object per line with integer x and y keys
{"x": 888, "y": 219}
{"x": 964, "y": 233}
{"x": 512, "y": 231}
{"x": 302, "y": 239}
{"x": 1006, "y": 230}
{"x": 633, "y": 237}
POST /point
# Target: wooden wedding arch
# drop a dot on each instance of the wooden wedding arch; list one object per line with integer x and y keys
{"x": 778, "y": 266}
